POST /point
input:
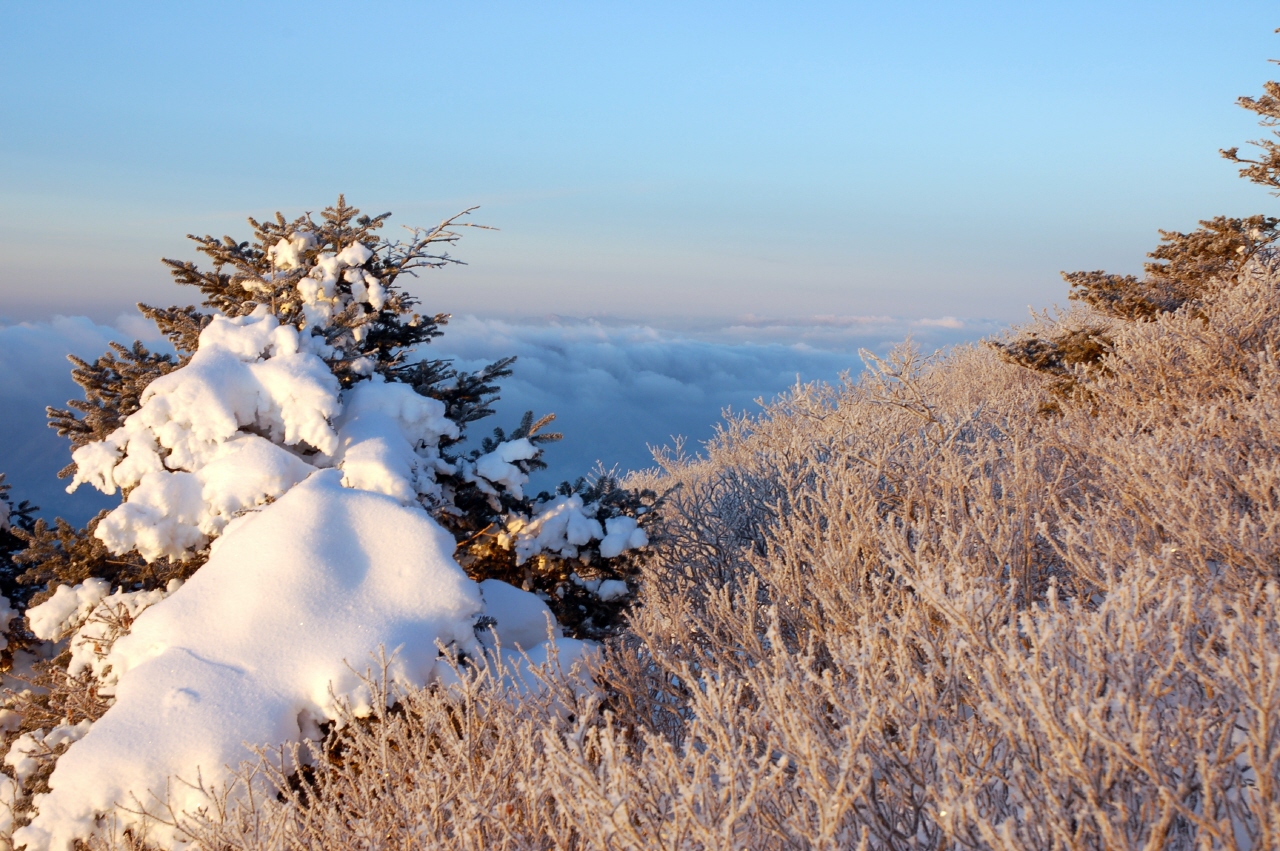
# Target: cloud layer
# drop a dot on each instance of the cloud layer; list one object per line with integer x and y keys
{"x": 34, "y": 373}
{"x": 616, "y": 388}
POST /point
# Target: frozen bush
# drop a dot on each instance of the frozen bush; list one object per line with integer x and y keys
{"x": 911, "y": 611}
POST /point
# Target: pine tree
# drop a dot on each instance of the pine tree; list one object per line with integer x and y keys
{"x": 1182, "y": 270}
{"x": 113, "y": 386}
{"x": 14, "y": 521}
{"x": 338, "y": 282}
{"x": 1265, "y": 170}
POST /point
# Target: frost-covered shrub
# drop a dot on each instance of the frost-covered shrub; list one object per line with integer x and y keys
{"x": 908, "y": 611}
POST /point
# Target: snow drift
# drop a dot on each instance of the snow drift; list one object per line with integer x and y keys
{"x": 257, "y": 646}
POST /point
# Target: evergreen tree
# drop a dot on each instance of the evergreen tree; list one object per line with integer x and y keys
{"x": 338, "y": 282}
{"x": 1182, "y": 270}
{"x": 14, "y": 520}
{"x": 1265, "y": 170}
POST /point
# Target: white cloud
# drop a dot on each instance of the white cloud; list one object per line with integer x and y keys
{"x": 615, "y": 387}
{"x": 943, "y": 322}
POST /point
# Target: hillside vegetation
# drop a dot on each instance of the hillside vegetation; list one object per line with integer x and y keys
{"x": 915, "y": 610}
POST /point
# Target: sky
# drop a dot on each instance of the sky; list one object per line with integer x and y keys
{"x": 695, "y": 203}
{"x": 658, "y": 161}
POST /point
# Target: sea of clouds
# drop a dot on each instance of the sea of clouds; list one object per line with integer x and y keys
{"x": 616, "y": 388}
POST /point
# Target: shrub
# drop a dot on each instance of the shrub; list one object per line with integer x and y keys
{"x": 904, "y": 612}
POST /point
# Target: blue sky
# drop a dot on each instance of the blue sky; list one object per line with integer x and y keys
{"x": 664, "y": 162}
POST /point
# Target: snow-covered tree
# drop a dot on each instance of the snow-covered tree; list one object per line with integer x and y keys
{"x": 297, "y": 490}
{"x": 327, "y": 293}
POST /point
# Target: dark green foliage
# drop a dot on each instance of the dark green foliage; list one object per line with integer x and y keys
{"x": 479, "y": 526}
{"x": 467, "y": 396}
{"x": 182, "y": 325}
{"x": 15, "y": 521}
{"x": 581, "y": 613}
{"x": 245, "y": 275}
{"x": 1058, "y": 356}
{"x": 476, "y": 510}
{"x": 61, "y": 554}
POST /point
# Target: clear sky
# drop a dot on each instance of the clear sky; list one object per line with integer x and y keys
{"x": 657, "y": 161}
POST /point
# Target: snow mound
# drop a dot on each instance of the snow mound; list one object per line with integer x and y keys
{"x": 254, "y": 650}
{"x": 564, "y": 524}
{"x": 522, "y": 620}
{"x": 255, "y": 411}
{"x": 524, "y": 641}
{"x": 521, "y": 673}
{"x": 387, "y": 440}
